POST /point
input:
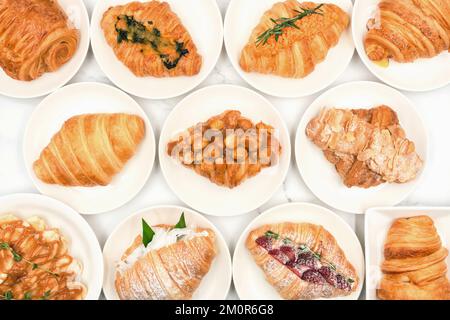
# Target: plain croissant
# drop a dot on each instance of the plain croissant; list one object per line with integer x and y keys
{"x": 414, "y": 266}
{"x": 90, "y": 149}
{"x": 302, "y": 261}
{"x": 35, "y": 37}
{"x": 406, "y": 30}
{"x": 172, "y": 272}
{"x": 298, "y": 50}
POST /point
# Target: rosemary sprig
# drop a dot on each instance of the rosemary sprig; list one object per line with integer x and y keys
{"x": 281, "y": 23}
{"x": 18, "y": 258}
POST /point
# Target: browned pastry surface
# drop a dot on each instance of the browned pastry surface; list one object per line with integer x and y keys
{"x": 296, "y": 52}
{"x": 406, "y": 30}
{"x": 229, "y": 161}
{"x": 150, "y": 39}
{"x": 414, "y": 267}
{"x": 35, "y": 37}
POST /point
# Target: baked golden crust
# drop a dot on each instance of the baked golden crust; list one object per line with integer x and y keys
{"x": 414, "y": 267}
{"x": 298, "y": 50}
{"x": 90, "y": 149}
{"x": 150, "y": 40}
{"x": 35, "y": 37}
{"x": 290, "y": 284}
{"x": 173, "y": 272}
{"x": 406, "y": 30}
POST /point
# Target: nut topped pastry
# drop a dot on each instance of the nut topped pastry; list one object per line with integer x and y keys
{"x": 302, "y": 261}
{"x": 227, "y": 149}
{"x": 35, "y": 263}
{"x": 368, "y": 147}
{"x": 165, "y": 262}
{"x": 293, "y": 37}
{"x": 150, "y": 39}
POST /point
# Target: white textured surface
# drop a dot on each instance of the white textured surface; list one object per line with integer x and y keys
{"x": 434, "y": 189}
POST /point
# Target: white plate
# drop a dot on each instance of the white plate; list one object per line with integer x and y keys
{"x": 216, "y": 283}
{"x": 420, "y": 75}
{"x": 321, "y": 176}
{"x": 82, "y": 242}
{"x": 49, "y": 82}
{"x": 377, "y": 224}
{"x": 244, "y": 15}
{"x": 197, "y": 191}
{"x": 207, "y": 33}
{"x": 249, "y": 279}
{"x": 82, "y": 98}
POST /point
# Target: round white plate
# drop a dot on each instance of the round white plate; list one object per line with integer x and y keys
{"x": 82, "y": 242}
{"x": 420, "y": 75}
{"x": 321, "y": 176}
{"x": 206, "y": 31}
{"x": 244, "y": 15}
{"x": 249, "y": 279}
{"x": 216, "y": 283}
{"x": 82, "y": 98}
{"x": 198, "y": 192}
{"x": 49, "y": 82}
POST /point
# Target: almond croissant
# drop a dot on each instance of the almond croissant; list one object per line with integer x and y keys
{"x": 90, "y": 149}
{"x": 298, "y": 49}
{"x": 406, "y": 30}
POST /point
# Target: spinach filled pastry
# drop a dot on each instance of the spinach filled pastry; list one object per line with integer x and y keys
{"x": 165, "y": 262}
{"x": 150, "y": 40}
{"x": 406, "y": 30}
{"x": 90, "y": 149}
{"x": 35, "y": 37}
{"x": 302, "y": 261}
{"x": 414, "y": 267}
{"x": 292, "y": 38}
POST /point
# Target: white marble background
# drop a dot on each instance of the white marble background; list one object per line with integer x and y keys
{"x": 434, "y": 190}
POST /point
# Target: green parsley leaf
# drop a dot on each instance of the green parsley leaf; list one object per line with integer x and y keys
{"x": 181, "y": 223}
{"x": 147, "y": 233}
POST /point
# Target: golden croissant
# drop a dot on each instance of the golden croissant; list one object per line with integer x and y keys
{"x": 172, "y": 270}
{"x": 35, "y": 37}
{"x": 299, "y": 48}
{"x": 414, "y": 266}
{"x": 406, "y": 30}
{"x": 227, "y": 149}
{"x": 302, "y": 261}
{"x": 90, "y": 149}
{"x": 150, "y": 40}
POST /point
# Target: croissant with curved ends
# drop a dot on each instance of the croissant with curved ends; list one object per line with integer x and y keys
{"x": 170, "y": 272}
{"x": 296, "y": 52}
{"x": 90, "y": 149}
{"x": 406, "y": 30}
{"x": 414, "y": 266}
{"x": 150, "y": 40}
{"x": 35, "y": 37}
{"x": 302, "y": 261}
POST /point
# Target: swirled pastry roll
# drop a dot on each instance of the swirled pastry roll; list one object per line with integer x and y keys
{"x": 302, "y": 261}
{"x": 406, "y": 30}
{"x": 292, "y": 38}
{"x": 171, "y": 267}
{"x": 35, "y": 37}
{"x": 150, "y": 40}
{"x": 90, "y": 149}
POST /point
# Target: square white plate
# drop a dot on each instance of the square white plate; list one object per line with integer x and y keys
{"x": 377, "y": 224}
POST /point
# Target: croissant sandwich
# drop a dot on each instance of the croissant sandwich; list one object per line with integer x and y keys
{"x": 227, "y": 148}
{"x": 165, "y": 263}
{"x": 292, "y": 38}
{"x": 302, "y": 261}
{"x": 150, "y": 40}
{"x": 35, "y": 37}
{"x": 414, "y": 266}
{"x": 406, "y": 30}
{"x": 35, "y": 262}
{"x": 90, "y": 149}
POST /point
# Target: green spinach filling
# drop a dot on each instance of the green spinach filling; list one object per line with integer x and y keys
{"x": 169, "y": 51}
